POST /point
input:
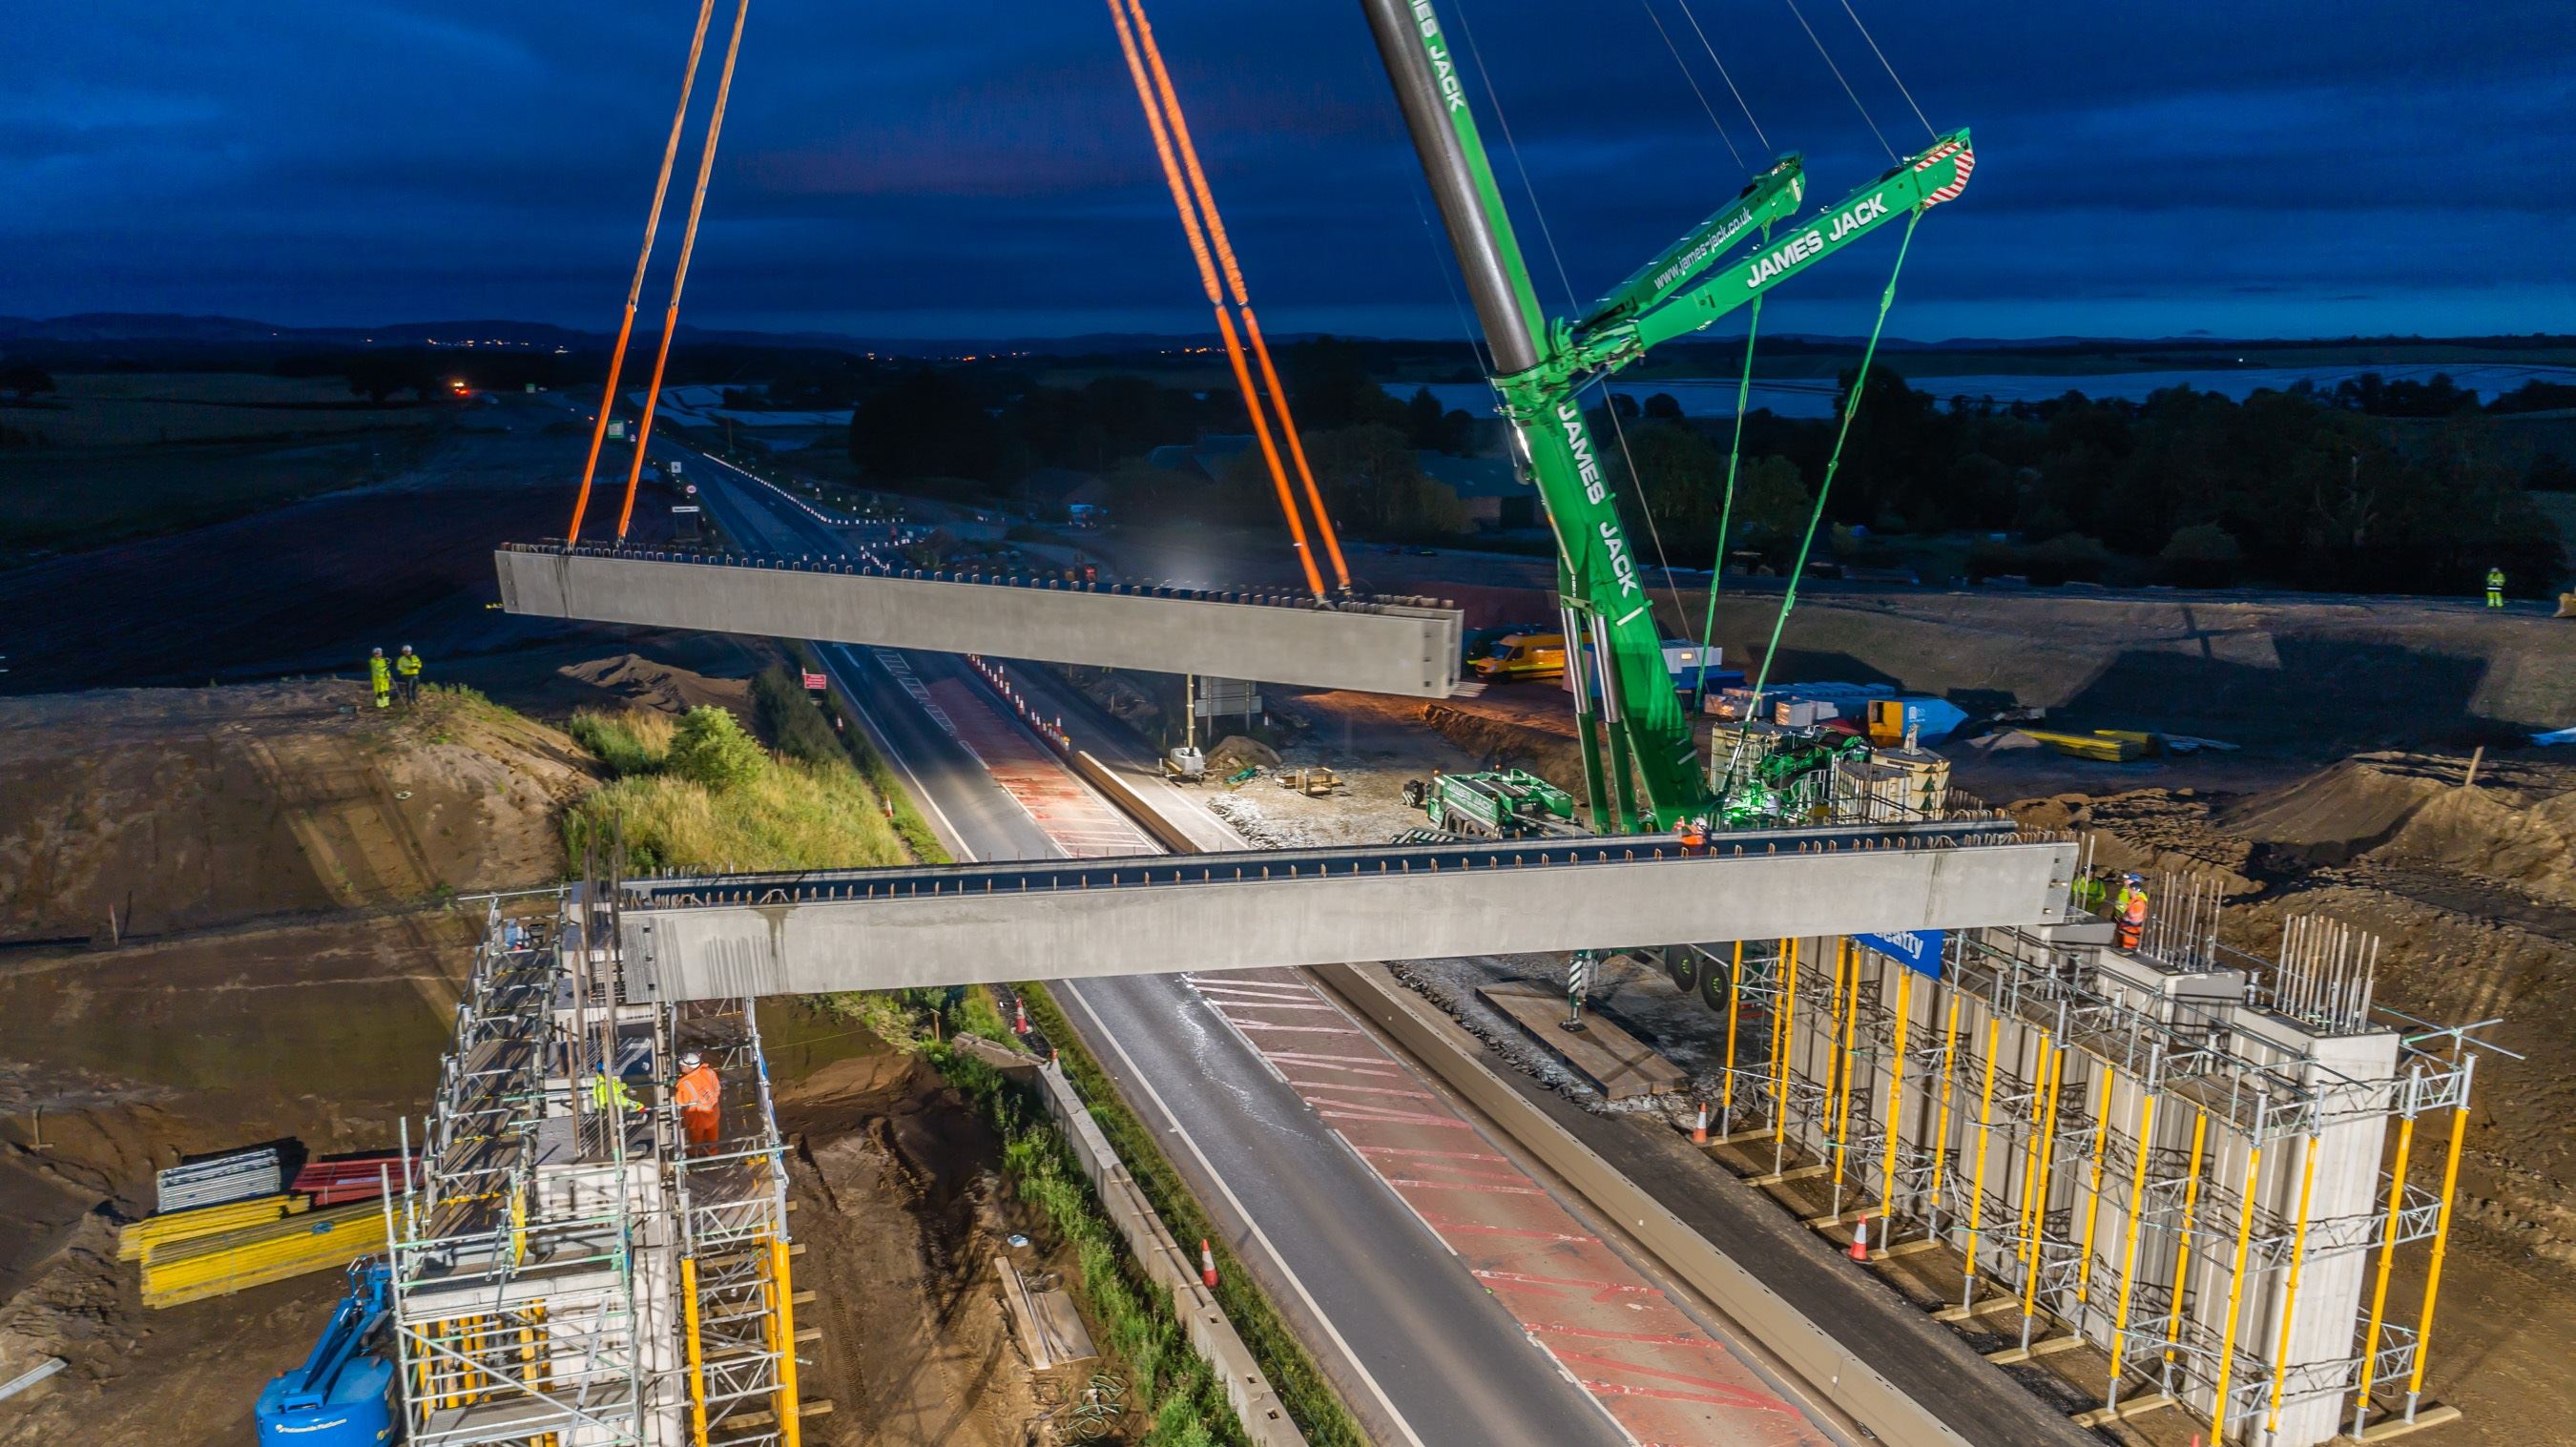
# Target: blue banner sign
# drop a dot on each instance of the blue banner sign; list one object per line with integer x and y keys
{"x": 1917, "y": 950}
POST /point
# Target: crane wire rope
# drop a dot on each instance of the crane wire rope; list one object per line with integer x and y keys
{"x": 643, "y": 259}
{"x": 1722, "y": 73}
{"x": 1210, "y": 248}
{"x": 680, "y": 273}
{"x": 1726, "y": 504}
{"x": 1609, "y": 401}
{"x": 1833, "y": 464}
{"x": 1242, "y": 295}
{"x": 1676, "y": 51}
{"x": 1838, "y": 75}
{"x": 1891, "y": 70}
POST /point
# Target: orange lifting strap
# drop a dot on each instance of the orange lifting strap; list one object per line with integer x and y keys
{"x": 1163, "y": 117}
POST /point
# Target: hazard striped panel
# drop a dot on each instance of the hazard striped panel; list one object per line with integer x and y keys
{"x": 1940, "y": 153}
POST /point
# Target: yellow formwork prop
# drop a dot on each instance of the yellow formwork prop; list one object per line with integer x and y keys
{"x": 2093, "y": 1188}
{"x": 1985, "y": 1126}
{"x": 2129, "y": 1235}
{"x": 1895, "y": 1102}
{"x": 2055, "y": 1068}
{"x": 790, "y": 1427}
{"x": 2387, "y": 1257}
{"x": 2290, "y": 1292}
{"x": 2441, "y": 1240}
{"x": 1781, "y": 1040}
{"x": 1846, "y": 1060}
{"x": 1941, "y": 1131}
{"x": 1734, "y": 999}
{"x": 697, "y": 1352}
{"x": 2235, "y": 1294}
{"x": 2182, "y": 1238}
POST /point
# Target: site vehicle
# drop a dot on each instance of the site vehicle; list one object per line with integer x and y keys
{"x": 1641, "y": 763}
{"x": 1502, "y": 804}
{"x": 343, "y": 1394}
{"x": 1521, "y": 655}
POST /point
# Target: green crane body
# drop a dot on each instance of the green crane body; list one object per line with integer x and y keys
{"x": 1641, "y": 763}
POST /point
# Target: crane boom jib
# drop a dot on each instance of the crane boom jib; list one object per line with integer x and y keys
{"x": 1641, "y": 764}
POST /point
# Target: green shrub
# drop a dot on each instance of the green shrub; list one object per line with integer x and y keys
{"x": 631, "y": 743}
{"x": 711, "y": 750}
{"x": 780, "y": 703}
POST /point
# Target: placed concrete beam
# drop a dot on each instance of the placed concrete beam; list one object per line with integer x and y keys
{"x": 1406, "y": 646}
{"x": 1064, "y": 919}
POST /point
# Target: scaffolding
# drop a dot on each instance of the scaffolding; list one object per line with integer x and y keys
{"x": 2189, "y": 1159}
{"x": 572, "y": 1269}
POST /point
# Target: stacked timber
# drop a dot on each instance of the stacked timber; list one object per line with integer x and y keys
{"x": 256, "y": 1254}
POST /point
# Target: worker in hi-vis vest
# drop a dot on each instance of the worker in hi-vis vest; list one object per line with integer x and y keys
{"x": 2495, "y": 587}
{"x": 2132, "y": 912}
{"x": 407, "y": 675}
{"x": 609, "y": 1095}
{"x": 380, "y": 679}
{"x": 697, "y": 1092}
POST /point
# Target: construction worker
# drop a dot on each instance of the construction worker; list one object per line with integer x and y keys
{"x": 407, "y": 675}
{"x": 609, "y": 1095}
{"x": 2132, "y": 924}
{"x": 697, "y": 1093}
{"x": 1693, "y": 836}
{"x": 2495, "y": 587}
{"x": 380, "y": 679}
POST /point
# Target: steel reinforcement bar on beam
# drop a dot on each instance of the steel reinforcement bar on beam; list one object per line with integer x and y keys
{"x": 739, "y": 935}
{"x": 1407, "y": 646}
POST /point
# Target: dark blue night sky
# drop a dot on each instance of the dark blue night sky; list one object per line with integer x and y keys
{"x": 2301, "y": 167}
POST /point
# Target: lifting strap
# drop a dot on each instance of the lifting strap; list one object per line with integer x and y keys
{"x": 1833, "y": 463}
{"x": 643, "y": 259}
{"x": 680, "y": 275}
{"x": 1196, "y": 203}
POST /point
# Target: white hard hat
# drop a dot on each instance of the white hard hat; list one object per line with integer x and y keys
{"x": 691, "y": 1060}
{"x": 406, "y": 648}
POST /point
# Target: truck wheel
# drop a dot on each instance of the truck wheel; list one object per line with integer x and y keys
{"x": 1683, "y": 964}
{"x": 1713, "y": 986}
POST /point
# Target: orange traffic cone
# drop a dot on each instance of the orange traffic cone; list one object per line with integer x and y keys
{"x": 1019, "y": 1018}
{"x": 1699, "y": 1130}
{"x": 1860, "y": 1240}
{"x": 1207, "y": 1265}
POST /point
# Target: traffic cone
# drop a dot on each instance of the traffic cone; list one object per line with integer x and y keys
{"x": 1052, "y": 1060}
{"x": 1207, "y": 1265}
{"x": 1860, "y": 1240}
{"x": 1019, "y": 1018}
{"x": 1699, "y": 1129}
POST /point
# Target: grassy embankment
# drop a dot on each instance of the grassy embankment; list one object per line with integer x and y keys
{"x": 1174, "y": 1385}
{"x": 698, "y": 793}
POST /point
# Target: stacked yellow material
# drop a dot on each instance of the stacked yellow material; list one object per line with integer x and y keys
{"x": 139, "y": 1239}
{"x": 257, "y": 1254}
{"x": 2109, "y": 750}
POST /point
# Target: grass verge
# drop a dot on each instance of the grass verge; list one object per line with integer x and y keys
{"x": 909, "y": 826}
{"x": 1175, "y": 1388}
{"x": 1310, "y": 1399}
{"x": 779, "y": 812}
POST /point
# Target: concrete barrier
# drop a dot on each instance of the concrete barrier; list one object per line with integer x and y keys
{"x": 1828, "y": 1367}
{"x": 1256, "y": 1405}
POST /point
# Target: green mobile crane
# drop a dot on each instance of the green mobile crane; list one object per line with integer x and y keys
{"x": 1641, "y": 767}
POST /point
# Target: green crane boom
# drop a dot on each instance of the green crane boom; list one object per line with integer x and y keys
{"x": 1641, "y": 765}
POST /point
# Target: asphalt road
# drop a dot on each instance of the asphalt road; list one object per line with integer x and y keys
{"x": 1418, "y": 1347}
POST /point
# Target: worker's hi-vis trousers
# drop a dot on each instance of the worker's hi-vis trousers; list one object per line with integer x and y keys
{"x": 2495, "y": 597}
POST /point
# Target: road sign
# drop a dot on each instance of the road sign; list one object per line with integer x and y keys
{"x": 1220, "y": 696}
{"x": 816, "y": 683}
{"x": 1917, "y": 950}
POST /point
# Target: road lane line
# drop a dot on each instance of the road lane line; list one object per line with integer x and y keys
{"x": 1137, "y": 1074}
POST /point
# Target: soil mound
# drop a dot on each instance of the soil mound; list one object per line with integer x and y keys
{"x": 643, "y": 683}
{"x": 181, "y": 808}
{"x": 1237, "y": 751}
{"x": 2517, "y": 825}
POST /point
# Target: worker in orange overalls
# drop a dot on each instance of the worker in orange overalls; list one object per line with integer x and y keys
{"x": 697, "y": 1093}
{"x": 1693, "y": 835}
{"x": 2133, "y": 912}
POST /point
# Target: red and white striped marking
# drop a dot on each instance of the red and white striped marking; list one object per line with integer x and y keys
{"x": 1940, "y": 153}
{"x": 1648, "y": 1363}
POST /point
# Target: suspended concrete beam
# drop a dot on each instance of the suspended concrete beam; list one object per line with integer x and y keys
{"x": 1404, "y": 646}
{"x": 1069, "y": 919}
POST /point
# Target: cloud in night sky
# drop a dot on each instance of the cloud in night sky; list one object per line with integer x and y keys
{"x": 947, "y": 169}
